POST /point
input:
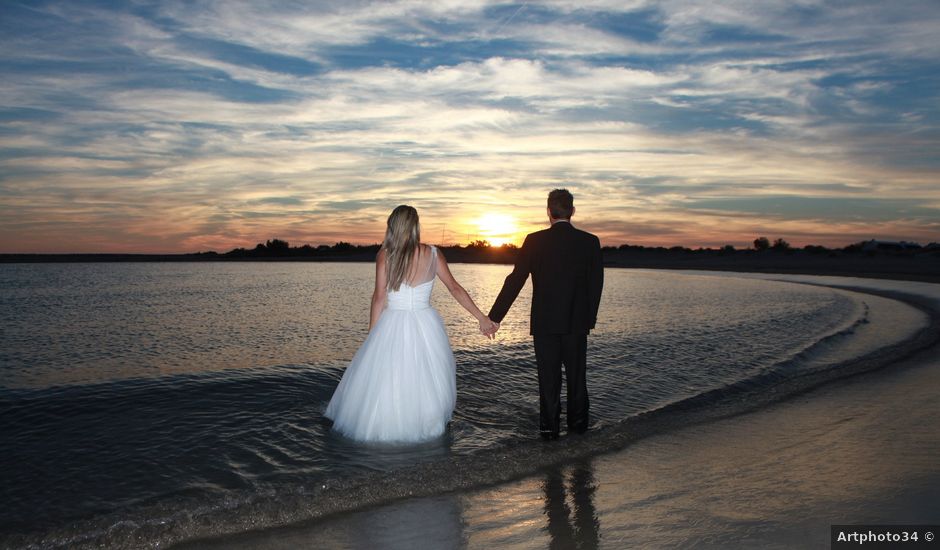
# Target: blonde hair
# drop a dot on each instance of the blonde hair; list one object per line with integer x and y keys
{"x": 402, "y": 238}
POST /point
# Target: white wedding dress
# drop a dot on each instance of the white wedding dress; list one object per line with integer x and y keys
{"x": 401, "y": 385}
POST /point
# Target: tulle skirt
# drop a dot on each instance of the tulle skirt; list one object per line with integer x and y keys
{"x": 401, "y": 384}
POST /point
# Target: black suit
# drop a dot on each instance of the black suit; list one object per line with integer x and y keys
{"x": 567, "y": 279}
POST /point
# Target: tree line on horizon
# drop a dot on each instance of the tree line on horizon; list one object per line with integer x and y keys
{"x": 278, "y": 248}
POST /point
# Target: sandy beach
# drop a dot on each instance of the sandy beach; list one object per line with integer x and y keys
{"x": 858, "y": 450}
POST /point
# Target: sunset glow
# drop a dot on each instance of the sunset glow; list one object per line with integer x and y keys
{"x": 498, "y": 229}
{"x": 183, "y": 127}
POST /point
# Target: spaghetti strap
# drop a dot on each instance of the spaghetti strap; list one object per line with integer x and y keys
{"x": 432, "y": 267}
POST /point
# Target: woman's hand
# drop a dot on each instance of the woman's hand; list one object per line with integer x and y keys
{"x": 488, "y": 327}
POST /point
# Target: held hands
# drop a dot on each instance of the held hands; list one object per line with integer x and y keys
{"x": 488, "y": 327}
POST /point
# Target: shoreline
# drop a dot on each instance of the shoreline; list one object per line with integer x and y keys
{"x": 774, "y": 478}
{"x": 921, "y": 268}
{"x": 862, "y": 452}
{"x": 919, "y": 277}
{"x": 509, "y": 465}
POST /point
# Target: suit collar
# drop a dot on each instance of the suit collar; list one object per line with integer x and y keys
{"x": 566, "y": 224}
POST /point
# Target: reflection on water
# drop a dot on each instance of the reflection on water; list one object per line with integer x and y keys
{"x": 861, "y": 453}
{"x": 558, "y": 512}
{"x": 569, "y": 507}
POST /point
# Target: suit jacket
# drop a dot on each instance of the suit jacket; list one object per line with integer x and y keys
{"x": 567, "y": 278}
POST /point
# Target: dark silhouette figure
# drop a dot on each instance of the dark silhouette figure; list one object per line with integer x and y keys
{"x": 567, "y": 279}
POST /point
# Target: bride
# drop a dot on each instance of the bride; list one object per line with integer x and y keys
{"x": 401, "y": 384}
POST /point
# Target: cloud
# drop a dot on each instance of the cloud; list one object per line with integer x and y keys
{"x": 832, "y": 208}
{"x": 235, "y": 120}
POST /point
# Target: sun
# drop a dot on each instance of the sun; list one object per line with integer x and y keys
{"x": 498, "y": 229}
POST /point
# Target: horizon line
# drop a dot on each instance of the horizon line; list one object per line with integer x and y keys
{"x": 470, "y": 245}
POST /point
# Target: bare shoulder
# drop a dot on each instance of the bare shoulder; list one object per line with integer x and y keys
{"x": 426, "y": 251}
{"x": 439, "y": 258}
{"x": 380, "y": 255}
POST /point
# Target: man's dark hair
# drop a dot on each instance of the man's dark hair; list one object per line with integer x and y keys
{"x": 561, "y": 204}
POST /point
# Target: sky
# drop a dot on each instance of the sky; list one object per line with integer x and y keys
{"x": 184, "y": 126}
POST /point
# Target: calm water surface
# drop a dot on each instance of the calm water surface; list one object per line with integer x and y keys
{"x": 148, "y": 394}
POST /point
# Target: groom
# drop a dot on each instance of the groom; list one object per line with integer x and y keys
{"x": 567, "y": 279}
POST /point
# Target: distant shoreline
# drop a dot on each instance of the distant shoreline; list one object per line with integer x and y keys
{"x": 924, "y": 267}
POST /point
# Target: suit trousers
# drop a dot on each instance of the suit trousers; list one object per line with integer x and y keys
{"x": 551, "y": 352}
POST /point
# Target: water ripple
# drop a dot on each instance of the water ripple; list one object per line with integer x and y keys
{"x": 185, "y": 386}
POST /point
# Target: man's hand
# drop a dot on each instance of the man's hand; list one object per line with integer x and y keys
{"x": 488, "y": 328}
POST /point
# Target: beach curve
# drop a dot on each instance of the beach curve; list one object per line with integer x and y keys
{"x": 506, "y": 465}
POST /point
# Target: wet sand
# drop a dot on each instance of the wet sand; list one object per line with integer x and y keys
{"x": 860, "y": 450}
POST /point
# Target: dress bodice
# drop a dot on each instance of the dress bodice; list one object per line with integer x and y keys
{"x": 416, "y": 295}
{"x": 411, "y": 297}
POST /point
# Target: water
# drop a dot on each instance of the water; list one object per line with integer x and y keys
{"x": 138, "y": 400}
